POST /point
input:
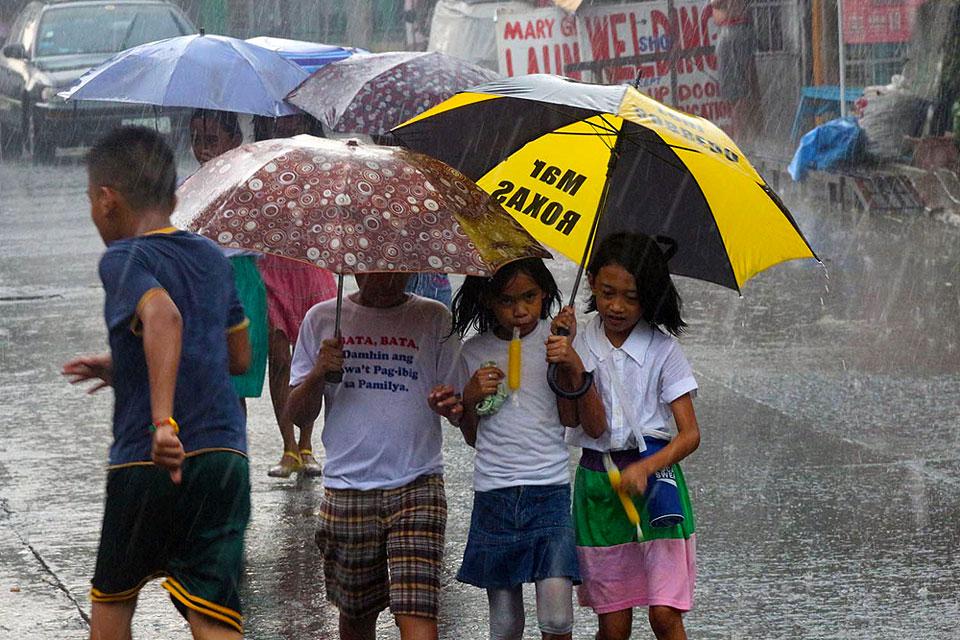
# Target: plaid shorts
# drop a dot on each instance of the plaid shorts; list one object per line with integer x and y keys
{"x": 384, "y": 547}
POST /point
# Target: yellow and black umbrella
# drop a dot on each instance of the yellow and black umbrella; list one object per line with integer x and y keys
{"x": 557, "y": 154}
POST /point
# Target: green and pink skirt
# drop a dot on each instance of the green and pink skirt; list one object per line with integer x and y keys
{"x": 618, "y": 570}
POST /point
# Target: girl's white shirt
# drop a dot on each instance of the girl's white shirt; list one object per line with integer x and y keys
{"x": 637, "y": 383}
{"x": 523, "y": 443}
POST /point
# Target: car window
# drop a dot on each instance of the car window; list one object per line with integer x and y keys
{"x": 16, "y": 29}
{"x": 105, "y": 28}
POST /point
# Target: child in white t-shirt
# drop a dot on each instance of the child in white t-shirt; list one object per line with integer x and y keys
{"x": 383, "y": 514}
{"x": 520, "y": 530}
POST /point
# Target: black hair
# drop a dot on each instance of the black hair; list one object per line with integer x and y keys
{"x": 138, "y": 163}
{"x": 642, "y": 257}
{"x": 471, "y": 304}
{"x": 264, "y": 127}
{"x": 227, "y": 120}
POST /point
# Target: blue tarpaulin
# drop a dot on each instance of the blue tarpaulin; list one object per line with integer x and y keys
{"x": 309, "y": 55}
{"x": 826, "y": 147}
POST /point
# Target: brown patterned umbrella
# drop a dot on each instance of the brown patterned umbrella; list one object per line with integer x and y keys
{"x": 351, "y": 208}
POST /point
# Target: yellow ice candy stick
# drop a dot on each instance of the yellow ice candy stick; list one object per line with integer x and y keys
{"x": 631, "y": 509}
{"x": 514, "y": 361}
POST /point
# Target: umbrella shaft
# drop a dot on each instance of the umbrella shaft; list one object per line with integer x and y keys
{"x": 336, "y": 332}
{"x": 336, "y": 377}
{"x": 601, "y": 205}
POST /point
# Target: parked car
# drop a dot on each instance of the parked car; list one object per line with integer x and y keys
{"x": 50, "y": 45}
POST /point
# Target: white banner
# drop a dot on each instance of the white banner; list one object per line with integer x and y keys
{"x": 549, "y": 41}
{"x": 537, "y": 41}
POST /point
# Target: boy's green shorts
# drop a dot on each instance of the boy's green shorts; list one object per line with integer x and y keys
{"x": 191, "y": 533}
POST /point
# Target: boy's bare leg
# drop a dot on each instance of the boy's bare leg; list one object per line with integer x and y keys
{"x": 667, "y": 623}
{"x": 205, "y": 628}
{"x": 111, "y": 620}
{"x": 358, "y": 628}
{"x": 417, "y": 628}
{"x": 615, "y": 625}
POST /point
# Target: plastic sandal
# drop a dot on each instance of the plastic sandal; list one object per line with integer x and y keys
{"x": 284, "y": 469}
{"x": 311, "y": 468}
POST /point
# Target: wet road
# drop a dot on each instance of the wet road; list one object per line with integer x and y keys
{"x": 827, "y": 485}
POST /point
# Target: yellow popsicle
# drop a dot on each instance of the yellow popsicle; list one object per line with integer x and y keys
{"x": 613, "y": 473}
{"x": 514, "y": 361}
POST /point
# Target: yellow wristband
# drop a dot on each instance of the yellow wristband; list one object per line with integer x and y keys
{"x": 167, "y": 421}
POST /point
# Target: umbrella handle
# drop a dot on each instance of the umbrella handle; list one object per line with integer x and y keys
{"x": 553, "y": 374}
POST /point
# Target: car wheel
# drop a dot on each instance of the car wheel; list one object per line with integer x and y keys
{"x": 41, "y": 145}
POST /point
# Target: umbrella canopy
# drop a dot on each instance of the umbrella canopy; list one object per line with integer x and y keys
{"x": 371, "y": 93}
{"x": 197, "y": 71}
{"x": 351, "y": 208}
{"x": 308, "y": 55}
{"x": 558, "y": 153}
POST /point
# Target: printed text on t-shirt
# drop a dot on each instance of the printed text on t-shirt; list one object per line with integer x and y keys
{"x": 376, "y": 369}
{"x": 386, "y": 341}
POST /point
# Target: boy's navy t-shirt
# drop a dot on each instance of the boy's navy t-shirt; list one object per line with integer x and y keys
{"x": 199, "y": 280}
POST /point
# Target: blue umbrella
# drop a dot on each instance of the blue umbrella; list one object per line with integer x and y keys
{"x": 309, "y": 55}
{"x": 196, "y": 71}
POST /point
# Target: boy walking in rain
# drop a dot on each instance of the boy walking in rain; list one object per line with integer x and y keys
{"x": 384, "y": 510}
{"x": 178, "y": 490}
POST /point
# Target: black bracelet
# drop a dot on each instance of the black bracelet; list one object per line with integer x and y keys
{"x": 568, "y": 395}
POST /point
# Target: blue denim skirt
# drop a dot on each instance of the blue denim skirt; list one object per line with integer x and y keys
{"x": 520, "y": 534}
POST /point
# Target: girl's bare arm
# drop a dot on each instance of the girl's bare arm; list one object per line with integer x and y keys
{"x": 687, "y": 440}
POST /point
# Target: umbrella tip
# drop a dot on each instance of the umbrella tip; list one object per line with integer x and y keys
{"x": 203, "y": 31}
{"x": 352, "y": 142}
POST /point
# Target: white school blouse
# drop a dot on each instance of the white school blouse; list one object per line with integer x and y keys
{"x": 637, "y": 383}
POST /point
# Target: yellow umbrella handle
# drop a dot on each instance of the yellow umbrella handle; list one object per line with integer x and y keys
{"x": 613, "y": 473}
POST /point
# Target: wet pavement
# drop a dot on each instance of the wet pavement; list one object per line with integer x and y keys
{"x": 827, "y": 485}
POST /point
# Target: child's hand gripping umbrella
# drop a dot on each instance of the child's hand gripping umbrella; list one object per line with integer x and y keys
{"x": 351, "y": 208}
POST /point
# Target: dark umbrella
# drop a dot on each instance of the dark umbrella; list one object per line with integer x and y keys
{"x": 371, "y": 93}
{"x": 574, "y": 162}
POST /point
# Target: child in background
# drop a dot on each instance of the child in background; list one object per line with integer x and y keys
{"x": 520, "y": 530}
{"x": 293, "y": 287}
{"x": 644, "y": 380}
{"x": 213, "y": 133}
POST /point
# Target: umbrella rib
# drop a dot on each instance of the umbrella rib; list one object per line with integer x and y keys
{"x": 549, "y": 107}
{"x": 664, "y": 143}
{"x": 650, "y": 147}
{"x": 581, "y": 133}
{"x": 603, "y": 117}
